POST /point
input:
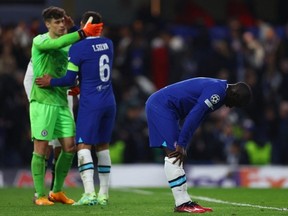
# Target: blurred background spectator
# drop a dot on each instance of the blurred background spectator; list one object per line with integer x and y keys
{"x": 158, "y": 43}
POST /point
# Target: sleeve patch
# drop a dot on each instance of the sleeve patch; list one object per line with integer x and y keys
{"x": 215, "y": 99}
{"x": 72, "y": 67}
{"x": 209, "y": 104}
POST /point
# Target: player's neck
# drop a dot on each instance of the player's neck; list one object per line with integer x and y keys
{"x": 53, "y": 36}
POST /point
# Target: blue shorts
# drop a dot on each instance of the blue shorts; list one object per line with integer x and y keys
{"x": 163, "y": 124}
{"x": 95, "y": 126}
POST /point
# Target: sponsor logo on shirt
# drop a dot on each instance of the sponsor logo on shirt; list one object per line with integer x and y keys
{"x": 101, "y": 87}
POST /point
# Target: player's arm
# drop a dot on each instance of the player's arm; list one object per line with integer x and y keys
{"x": 210, "y": 100}
{"x": 69, "y": 24}
{"x": 52, "y": 44}
{"x": 192, "y": 122}
{"x": 68, "y": 80}
{"x": 72, "y": 71}
{"x": 44, "y": 43}
{"x": 28, "y": 79}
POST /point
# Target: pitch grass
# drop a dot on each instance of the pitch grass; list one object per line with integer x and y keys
{"x": 152, "y": 201}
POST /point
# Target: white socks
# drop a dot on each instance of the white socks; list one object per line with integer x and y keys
{"x": 176, "y": 177}
{"x": 104, "y": 166}
{"x": 86, "y": 169}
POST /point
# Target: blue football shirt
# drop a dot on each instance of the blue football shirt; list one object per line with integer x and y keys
{"x": 93, "y": 57}
{"x": 189, "y": 100}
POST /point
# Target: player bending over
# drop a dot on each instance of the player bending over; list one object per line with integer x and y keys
{"x": 189, "y": 101}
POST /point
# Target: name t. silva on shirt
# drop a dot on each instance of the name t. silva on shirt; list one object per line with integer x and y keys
{"x": 100, "y": 47}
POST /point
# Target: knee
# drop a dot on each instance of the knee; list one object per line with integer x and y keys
{"x": 102, "y": 147}
{"x": 70, "y": 149}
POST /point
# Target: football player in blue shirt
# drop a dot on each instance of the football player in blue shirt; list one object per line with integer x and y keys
{"x": 190, "y": 100}
{"x": 91, "y": 59}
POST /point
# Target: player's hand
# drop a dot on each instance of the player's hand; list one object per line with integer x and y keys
{"x": 179, "y": 154}
{"x": 69, "y": 22}
{"x": 90, "y": 29}
{"x": 43, "y": 81}
{"x": 93, "y": 29}
{"x": 74, "y": 91}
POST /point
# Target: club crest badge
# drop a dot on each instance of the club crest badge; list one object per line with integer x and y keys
{"x": 44, "y": 133}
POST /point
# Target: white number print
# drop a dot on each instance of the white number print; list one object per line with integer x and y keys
{"x": 104, "y": 68}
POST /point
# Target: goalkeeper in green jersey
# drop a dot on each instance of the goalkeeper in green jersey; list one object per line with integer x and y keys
{"x": 50, "y": 116}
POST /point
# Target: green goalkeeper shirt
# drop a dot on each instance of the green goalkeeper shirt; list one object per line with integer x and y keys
{"x": 50, "y": 56}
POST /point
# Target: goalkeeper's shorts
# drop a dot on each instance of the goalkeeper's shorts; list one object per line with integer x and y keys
{"x": 50, "y": 122}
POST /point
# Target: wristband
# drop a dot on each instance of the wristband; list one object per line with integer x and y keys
{"x": 81, "y": 34}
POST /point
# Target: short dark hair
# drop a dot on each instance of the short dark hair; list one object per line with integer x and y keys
{"x": 53, "y": 12}
{"x": 244, "y": 93}
{"x": 97, "y": 18}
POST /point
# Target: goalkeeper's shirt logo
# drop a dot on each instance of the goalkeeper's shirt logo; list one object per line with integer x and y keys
{"x": 44, "y": 133}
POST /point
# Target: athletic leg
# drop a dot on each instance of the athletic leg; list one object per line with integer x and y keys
{"x": 65, "y": 132}
{"x": 38, "y": 172}
{"x": 86, "y": 170}
{"x": 104, "y": 166}
{"x": 56, "y": 152}
{"x": 63, "y": 163}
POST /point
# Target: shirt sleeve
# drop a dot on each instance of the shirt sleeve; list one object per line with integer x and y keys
{"x": 43, "y": 42}
{"x": 73, "y": 29}
{"x": 192, "y": 122}
{"x": 210, "y": 100}
{"x": 74, "y": 57}
{"x": 67, "y": 80}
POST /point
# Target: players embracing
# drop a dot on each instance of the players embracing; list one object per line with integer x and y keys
{"x": 91, "y": 60}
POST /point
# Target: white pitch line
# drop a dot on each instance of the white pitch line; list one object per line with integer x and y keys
{"x": 137, "y": 191}
{"x": 144, "y": 192}
{"x": 237, "y": 204}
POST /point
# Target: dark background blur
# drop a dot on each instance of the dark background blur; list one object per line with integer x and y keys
{"x": 123, "y": 12}
{"x": 157, "y": 43}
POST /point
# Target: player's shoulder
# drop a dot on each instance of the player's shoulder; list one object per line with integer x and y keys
{"x": 79, "y": 45}
{"x": 41, "y": 37}
{"x": 104, "y": 40}
{"x": 217, "y": 84}
{"x": 98, "y": 43}
{"x": 222, "y": 84}
{"x": 103, "y": 43}
{"x": 208, "y": 81}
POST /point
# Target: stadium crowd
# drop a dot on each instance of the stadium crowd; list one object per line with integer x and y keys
{"x": 152, "y": 53}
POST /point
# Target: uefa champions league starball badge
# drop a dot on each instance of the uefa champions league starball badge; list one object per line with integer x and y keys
{"x": 215, "y": 99}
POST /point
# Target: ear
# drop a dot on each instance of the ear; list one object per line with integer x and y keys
{"x": 47, "y": 24}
